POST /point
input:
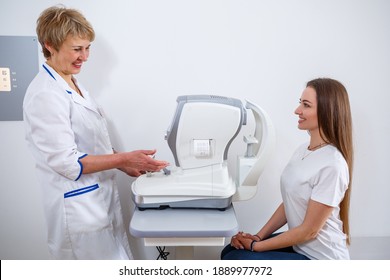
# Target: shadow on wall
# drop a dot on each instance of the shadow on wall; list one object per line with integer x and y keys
{"x": 97, "y": 70}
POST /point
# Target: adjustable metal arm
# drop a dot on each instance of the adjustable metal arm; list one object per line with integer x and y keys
{"x": 252, "y": 165}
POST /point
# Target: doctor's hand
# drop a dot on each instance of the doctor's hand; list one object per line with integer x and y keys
{"x": 132, "y": 172}
{"x": 132, "y": 163}
{"x": 140, "y": 161}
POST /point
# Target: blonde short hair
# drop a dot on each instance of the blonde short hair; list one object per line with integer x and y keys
{"x": 56, "y": 23}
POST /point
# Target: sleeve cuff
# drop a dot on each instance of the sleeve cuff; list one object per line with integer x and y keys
{"x": 81, "y": 166}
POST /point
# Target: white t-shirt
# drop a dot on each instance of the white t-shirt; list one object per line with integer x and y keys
{"x": 321, "y": 175}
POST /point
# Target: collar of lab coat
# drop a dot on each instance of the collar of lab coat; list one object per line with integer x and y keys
{"x": 84, "y": 100}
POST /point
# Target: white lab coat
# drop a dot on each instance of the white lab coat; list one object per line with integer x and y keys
{"x": 83, "y": 211}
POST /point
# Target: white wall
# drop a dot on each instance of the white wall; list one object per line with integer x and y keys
{"x": 148, "y": 52}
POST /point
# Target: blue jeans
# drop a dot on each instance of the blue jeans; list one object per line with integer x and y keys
{"x": 231, "y": 253}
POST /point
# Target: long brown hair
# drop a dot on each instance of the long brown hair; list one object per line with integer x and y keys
{"x": 335, "y": 125}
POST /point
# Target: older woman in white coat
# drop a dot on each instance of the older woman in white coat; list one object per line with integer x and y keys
{"x": 67, "y": 134}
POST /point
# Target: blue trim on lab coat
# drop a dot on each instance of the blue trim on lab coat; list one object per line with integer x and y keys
{"x": 81, "y": 191}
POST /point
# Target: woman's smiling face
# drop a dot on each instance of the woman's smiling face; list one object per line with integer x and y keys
{"x": 307, "y": 110}
{"x": 70, "y": 57}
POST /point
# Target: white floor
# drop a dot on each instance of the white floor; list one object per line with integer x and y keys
{"x": 370, "y": 248}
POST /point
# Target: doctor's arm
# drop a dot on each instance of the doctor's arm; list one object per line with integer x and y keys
{"x": 132, "y": 163}
{"x": 316, "y": 216}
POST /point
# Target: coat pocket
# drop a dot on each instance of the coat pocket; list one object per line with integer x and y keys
{"x": 86, "y": 210}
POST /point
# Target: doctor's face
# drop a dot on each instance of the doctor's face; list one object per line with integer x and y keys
{"x": 69, "y": 59}
{"x": 307, "y": 110}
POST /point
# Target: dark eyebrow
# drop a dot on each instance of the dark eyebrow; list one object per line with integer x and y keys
{"x": 305, "y": 100}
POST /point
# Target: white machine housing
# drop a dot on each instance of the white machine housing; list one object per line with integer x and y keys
{"x": 199, "y": 137}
